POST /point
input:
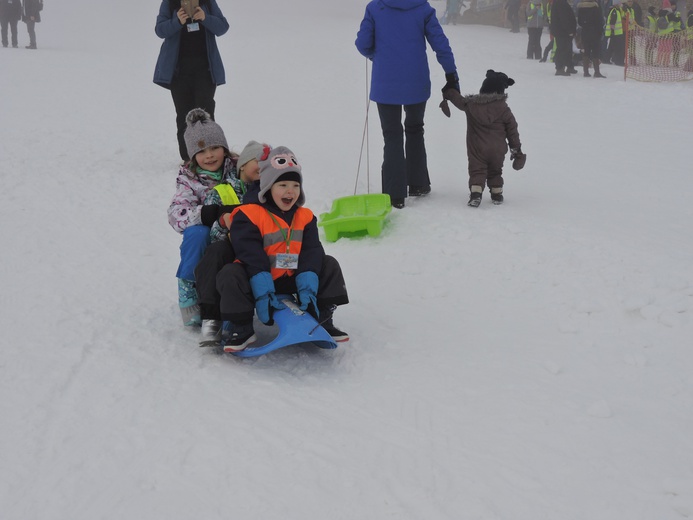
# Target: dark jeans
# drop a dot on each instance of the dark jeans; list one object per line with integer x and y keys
{"x": 30, "y": 26}
{"x": 191, "y": 91}
{"x": 13, "y": 29}
{"x": 404, "y": 161}
{"x": 534, "y": 43}
{"x": 238, "y": 303}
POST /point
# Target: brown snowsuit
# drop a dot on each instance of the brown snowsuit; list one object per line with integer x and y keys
{"x": 490, "y": 123}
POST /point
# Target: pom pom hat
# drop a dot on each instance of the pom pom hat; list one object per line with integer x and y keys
{"x": 279, "y": 164}
{"x": 495, "y": 83}
{"x": 202, "y": 132}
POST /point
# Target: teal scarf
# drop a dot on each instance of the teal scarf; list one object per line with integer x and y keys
{"x": 217, "y": 175}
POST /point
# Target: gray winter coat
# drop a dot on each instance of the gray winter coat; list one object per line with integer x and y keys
{"x": 535, "y": 15}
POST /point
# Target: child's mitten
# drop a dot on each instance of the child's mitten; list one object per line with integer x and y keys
{"x": 307, "y": 287}
{"x": 518, "y": 158}
{"x": 266, "y": 300}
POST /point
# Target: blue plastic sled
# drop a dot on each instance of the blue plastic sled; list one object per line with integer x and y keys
{"x": 295, "y": 327}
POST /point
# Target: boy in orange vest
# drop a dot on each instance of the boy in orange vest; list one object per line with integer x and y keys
{"x": 278, "y": 251}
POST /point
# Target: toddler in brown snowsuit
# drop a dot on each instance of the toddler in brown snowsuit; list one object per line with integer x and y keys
{"x": 491, "y": 127}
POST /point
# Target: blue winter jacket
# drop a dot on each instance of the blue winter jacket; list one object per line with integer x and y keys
{"x": 393, "y": 34}
{"x": 169, "y": 28}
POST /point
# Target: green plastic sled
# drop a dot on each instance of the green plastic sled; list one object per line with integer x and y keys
{"x": 357, "y": 215}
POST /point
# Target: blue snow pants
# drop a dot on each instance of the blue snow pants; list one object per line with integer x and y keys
{"x": 195, "y": 241}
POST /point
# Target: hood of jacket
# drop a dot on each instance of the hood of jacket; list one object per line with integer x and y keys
{"x": 486, "y": 108}
{"x": 403, "y": 5}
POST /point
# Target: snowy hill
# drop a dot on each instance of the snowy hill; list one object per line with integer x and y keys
{"x": 522, "y": 362}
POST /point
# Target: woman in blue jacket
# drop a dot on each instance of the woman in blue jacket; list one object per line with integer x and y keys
{"x": 189, "y": 63}
{"x": 393, "y": 34}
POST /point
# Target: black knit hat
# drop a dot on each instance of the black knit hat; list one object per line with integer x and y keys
{"x": 495, "y": 83}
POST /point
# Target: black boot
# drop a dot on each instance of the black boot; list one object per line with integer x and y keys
{"x": 586, "y": 67}
{"x": 474, "y": 199}
{"x": 497, "y": 196}
{"x": 328, "y": 325}
{"x": 597, "y": 74}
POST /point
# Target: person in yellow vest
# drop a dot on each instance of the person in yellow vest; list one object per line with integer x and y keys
{"x": 278, "y": 251}
{"x": 664, "y": 45}
{"x": 650, "y": 38}
{"x": 535, "y": 26}
{"x": 614, "y": 31}
{"x": 211, "y": 164}
{"x": 220, "y": 252}
{"x": 677, "y": 29}
{"x": 551, "y": 46}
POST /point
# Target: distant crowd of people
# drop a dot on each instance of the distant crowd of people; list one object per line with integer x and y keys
{"x": 592, "y": 32}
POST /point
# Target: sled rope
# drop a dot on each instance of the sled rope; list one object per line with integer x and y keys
{"x": 331, "y": 310}
{"x": 364, "y": 139}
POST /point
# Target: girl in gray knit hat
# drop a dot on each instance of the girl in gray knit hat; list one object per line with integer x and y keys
{"x": 211, "y": 167}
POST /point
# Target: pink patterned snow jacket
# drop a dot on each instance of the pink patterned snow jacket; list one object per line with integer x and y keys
{"x": 191, "y": 190}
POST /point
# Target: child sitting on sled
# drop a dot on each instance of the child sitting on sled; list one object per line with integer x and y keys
{"x": 278, "y": 251}
{"x": 490, "y": 123}
{"x": 212, "y": 168}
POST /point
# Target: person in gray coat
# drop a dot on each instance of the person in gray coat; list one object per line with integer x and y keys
{"x": 535, "y": 26}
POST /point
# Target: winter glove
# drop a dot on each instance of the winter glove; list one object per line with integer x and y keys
{"x": 212, "y": 212}
{"x": 307, "y": 287}
{"x": 518, "y": 158}
{"x": 453, "y": 81}
{"x": 266, "y": 300}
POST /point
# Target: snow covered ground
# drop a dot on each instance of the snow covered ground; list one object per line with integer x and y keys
{"x": 522, "y": 362}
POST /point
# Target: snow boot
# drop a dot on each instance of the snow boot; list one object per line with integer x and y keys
{"x": 327, "y": 324}
{"x": 397, "y": 203}
{"x": 187, "y": 301}
{"x": 597, "y": 73}
{"x": 586, "y": 67}
{"x": 497, "y": 196}
{"x": 560, "y": 71}
{"x": 210, "y": 333}
{"x": 236, "y": 337}
{"x": 418, "y": 191}
{"x": 475, "y": 196}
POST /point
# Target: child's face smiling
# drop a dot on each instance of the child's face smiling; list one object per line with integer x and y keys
{"x": 285, "y": 194}
{"x": 250, "y": 171}
{"x": 211, "y": 158}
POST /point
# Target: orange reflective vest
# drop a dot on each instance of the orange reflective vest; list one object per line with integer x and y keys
{"x": 277, "y": 236}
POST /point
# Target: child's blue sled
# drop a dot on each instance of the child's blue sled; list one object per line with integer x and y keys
{"x": 295, "y": 327}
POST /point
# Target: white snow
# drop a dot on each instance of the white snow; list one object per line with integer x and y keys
{"x": 522, "y": 362}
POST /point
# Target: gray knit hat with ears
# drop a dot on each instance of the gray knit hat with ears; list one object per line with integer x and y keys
{"x": 202, "y": 132}
{"x": 276, "y": 163}
{"x": 253, "y": 150}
